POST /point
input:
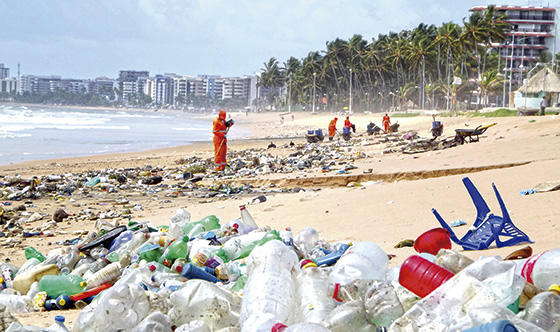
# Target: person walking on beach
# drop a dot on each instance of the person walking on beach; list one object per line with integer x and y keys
{"x": 543, "y": 105}
{"x": 220, "y": 129}
{"x": 387, "y": 123}
{"x": 332, "y": 128}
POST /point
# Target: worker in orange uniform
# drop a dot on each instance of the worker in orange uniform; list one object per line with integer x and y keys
{"x": 349, "y": 124}
{"x": 220, "y": 129}
{"x": 332, "y": 128}
{"x": 387, "y": 123}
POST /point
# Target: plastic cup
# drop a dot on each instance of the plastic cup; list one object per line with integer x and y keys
{"x": 421, "y": 276}
{"x": 432, "y": 241}
{"x": 192, "y": 272}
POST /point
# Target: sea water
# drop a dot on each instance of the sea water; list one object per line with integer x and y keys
{"x": 36, "y": 133}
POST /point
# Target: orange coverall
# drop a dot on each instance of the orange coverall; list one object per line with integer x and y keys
{"x": 220, "y": 141}
{"x": 332, "y": 128}
{"x": 386, "y": 122}
{"x": 347, "y": 122}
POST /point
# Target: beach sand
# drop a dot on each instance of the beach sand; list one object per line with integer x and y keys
{"x": 395, "y": 205}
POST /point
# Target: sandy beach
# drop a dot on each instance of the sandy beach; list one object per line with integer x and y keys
{"x": 385, "y": 199}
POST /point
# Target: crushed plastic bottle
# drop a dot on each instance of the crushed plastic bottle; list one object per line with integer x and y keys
{"x": 313, "y": 298}
{"x": 177, "y": 223}
{"x": 543, "y": 310}
{"x": 543, "y": 270}
{"x": 364, "y": 260}
{"x": 270, "y": 287}
{"x": 58, "y": 325}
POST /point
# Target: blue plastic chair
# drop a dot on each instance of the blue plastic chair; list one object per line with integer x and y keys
{"x": 487, "y": 227}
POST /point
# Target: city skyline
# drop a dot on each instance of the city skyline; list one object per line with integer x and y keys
{"x": 87, "y": 40}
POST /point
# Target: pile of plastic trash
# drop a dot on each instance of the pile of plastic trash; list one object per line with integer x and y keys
{"x": 236, "y": 276}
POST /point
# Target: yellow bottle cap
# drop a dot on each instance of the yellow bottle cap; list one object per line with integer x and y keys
{"x": 161, "y": 241}
{"x": 83, "y": 284}
{"x": 554, "y": 288}
{"x": 311, "y": 264}
{"x": 62, "y": 302}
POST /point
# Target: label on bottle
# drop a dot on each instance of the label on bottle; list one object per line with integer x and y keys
{"x": 200, "y": 258}
{"x": 527, "y": 269}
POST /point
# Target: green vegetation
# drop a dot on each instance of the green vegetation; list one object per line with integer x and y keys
{"x": 499, "y": 113}
{"x": 404, "y": 115}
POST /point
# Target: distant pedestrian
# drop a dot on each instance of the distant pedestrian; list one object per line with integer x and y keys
{"x": 387, "y": 123}
{"x": 281, "y": 119}
{"x": 292, "y": 117}
{"x": 332, "y": 128}
{"x": 543, "y": 105}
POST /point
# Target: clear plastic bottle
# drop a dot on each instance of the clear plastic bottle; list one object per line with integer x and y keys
{"x": 29, "y": 265}
{"x": 306, "y": 240}
{"x": 235, "y": 244}
{"x": 382, "y": 304}
{"x": 67, "y": 261}
{"x": 107, "y": 274}
{"x": 15, "y": 303}
{"x": 270, "y": 286}
{"x": 247, "y": 249}
{"x": 543, "y": 310}
{"x": 97, "y": 252}
{"x": 121, "y": 240}
{"x": 350, "y": 316}
{"x": 99, "y": 264}
{"x": 452, "y": 261}
{"x": 58, "y": 325}
{"x": 249, "y": 223}
{"x": 313, "y": 294}
{"x": 300, "y": 327}
{"x": 7, "y": 273}
{"x": 177, "y": 223}
{"x": 156, "y": 321}
{"x": 159, "y": 278}
{"x": 364, "y": 260}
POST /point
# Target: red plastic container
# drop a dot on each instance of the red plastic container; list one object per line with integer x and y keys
{"x": 432, "y": 241}
{"x": 421, "y": 276}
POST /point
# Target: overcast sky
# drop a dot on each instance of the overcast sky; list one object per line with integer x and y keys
{"x": 89, "y": 39}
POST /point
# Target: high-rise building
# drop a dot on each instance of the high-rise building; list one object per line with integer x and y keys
{"x": 4, "y": 72}
{"x": 532, "y": 31}
{"x": 131, "y": 84}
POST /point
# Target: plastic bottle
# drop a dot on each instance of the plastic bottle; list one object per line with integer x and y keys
{"x": 61, "y": 284}
{"x": 151, "y": 252}
{"x": 300, "y": 327}
{"x": 270, "y": 286}
{"x": 383, "y": 304}
{"x": 364, "y": 260}
{"x": 97, "y": 252}
{"x": 452, "y": 261}
{"x": 58, "y": 325}
{"x": 67, "y": 261}
{"x": 178, "y": 265}
{"x": 137, "y": 240}
{"x": 177, "y": 223}
{"x": 313, "y": 296}
{"x": 234, "y": 244}
{"x": 543, "y": 270}
{"x": 7, "y": 274}
{"x": 177, "y": 249}
{"x": 216, "y": 258}
{"x": 332, "y": 257}
{"x": 160, "y": 277}
{"x": 156, "y": 321}
{"x": 205, "y": 224}
{"x": 107, "y": 274}
{"x": 287, "y": 236}
{"x": 32, "y": 252}
{"x": 98, "y": 264}
{"x": 501, "y": 325}
{"x": 249, "y": 223}
{"x": 246, "y": 250}
{"x": 306, "y": 240}
{"x": 543, "y": 310}
{"x": 350, "y": 316}
{"x": 121, "y": 240}
{"x": 15, "y": 303}
{"x": 23, "y": 281}
{"x": 202, "y": 255}
{"x": 193, "y": 272}
{"x": 29, "y": 265}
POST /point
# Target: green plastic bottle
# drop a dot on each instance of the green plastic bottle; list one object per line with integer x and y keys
{"x": 151, "y": 252}
{"x": 32, "y": 252}
{"x": 205, "y": 224}
{"x": 239, "y": 284}
{"x": 177, "y": 249}
{"x": 56, "y": 285}
{"x": 245, "y": 251}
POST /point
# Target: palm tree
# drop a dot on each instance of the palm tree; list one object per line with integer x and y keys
{"x": 490, "y": 80}
{"x": 475, "y": 31}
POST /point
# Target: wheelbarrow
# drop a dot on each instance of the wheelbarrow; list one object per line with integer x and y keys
{"x": 472, "y": 135}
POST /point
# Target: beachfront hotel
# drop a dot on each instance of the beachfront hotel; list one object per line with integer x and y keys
{"x": 532, "y": 31}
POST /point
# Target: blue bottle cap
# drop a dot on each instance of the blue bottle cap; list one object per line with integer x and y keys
{"x": 59, "y": 318}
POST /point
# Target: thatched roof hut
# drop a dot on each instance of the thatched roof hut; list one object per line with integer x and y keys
{"x": 535, "y": 83}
